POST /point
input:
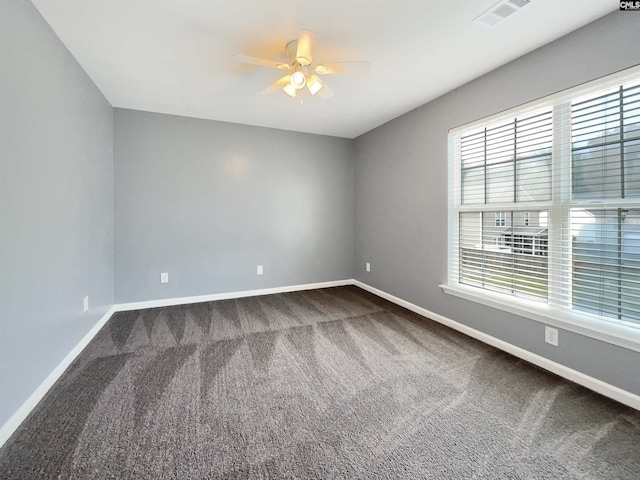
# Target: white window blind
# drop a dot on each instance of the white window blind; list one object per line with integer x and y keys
{"x": 546, "y": 203}
{"x": 605, "y": 215}
{"x": 506, "y": 164}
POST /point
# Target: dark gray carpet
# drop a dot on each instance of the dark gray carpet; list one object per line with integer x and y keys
{"x": 332, "y": 383}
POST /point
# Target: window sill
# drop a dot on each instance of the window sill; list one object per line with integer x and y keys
{"x": 610, "y": 332}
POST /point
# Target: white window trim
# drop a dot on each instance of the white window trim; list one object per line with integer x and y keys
{"x": 611, "y": 331}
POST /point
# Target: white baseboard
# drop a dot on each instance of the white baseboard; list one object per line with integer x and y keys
{"x": 168, "y": 302}
{"x": 25, "y": 409}
{"x": 630, "y": 399}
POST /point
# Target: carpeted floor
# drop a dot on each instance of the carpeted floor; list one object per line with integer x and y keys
{"x": 332, "y": 383}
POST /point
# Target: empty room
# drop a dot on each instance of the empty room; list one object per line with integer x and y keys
{"x": 363, "y": 239}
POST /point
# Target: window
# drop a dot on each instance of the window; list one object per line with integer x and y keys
{"x": 508, "y": 163}
{"x": 546, "y": 204}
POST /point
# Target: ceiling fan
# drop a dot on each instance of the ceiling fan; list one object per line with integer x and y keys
{"x": 301, "y": 70}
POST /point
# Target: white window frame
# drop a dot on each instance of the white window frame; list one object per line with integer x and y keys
{"x": 615, "y": 332}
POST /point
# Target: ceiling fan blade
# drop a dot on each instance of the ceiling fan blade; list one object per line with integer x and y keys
{"x": 306, "y": 47}
{"x": 275, "y": 86}
{"x": 361, "y": 66}
{"x": 325, "y": 92}
{"x": 261, "y": 61}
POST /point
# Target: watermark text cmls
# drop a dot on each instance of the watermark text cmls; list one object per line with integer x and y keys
{"x": 630, "y": 5}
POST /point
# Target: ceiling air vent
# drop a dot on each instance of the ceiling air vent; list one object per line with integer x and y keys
{"x": 500, "y": 11}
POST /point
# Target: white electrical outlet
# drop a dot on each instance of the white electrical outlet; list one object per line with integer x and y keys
{"x": 164, "y": 277}
{"x": 86, "y": 303}
{"x": 260, "y": 270}
{"x": 367, "y": 266}
{"x": 551, "y": 335}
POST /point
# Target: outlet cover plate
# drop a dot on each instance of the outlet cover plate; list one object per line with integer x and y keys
{"x": 551, "y": 335}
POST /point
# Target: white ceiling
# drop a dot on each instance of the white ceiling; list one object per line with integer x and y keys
{"x": 175, "y": 56}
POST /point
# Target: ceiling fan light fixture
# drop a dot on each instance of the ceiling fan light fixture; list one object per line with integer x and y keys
{"x": 290, "y": 90}
{"x": 298, "y": 80}
{"x": 314, "y": 84}
{"x": 300, "y": 69}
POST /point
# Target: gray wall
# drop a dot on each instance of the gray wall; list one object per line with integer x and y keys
{"x": 208, "y": 201}
{"x": 56, "y": 202}
{"x": 401, "y": 191}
